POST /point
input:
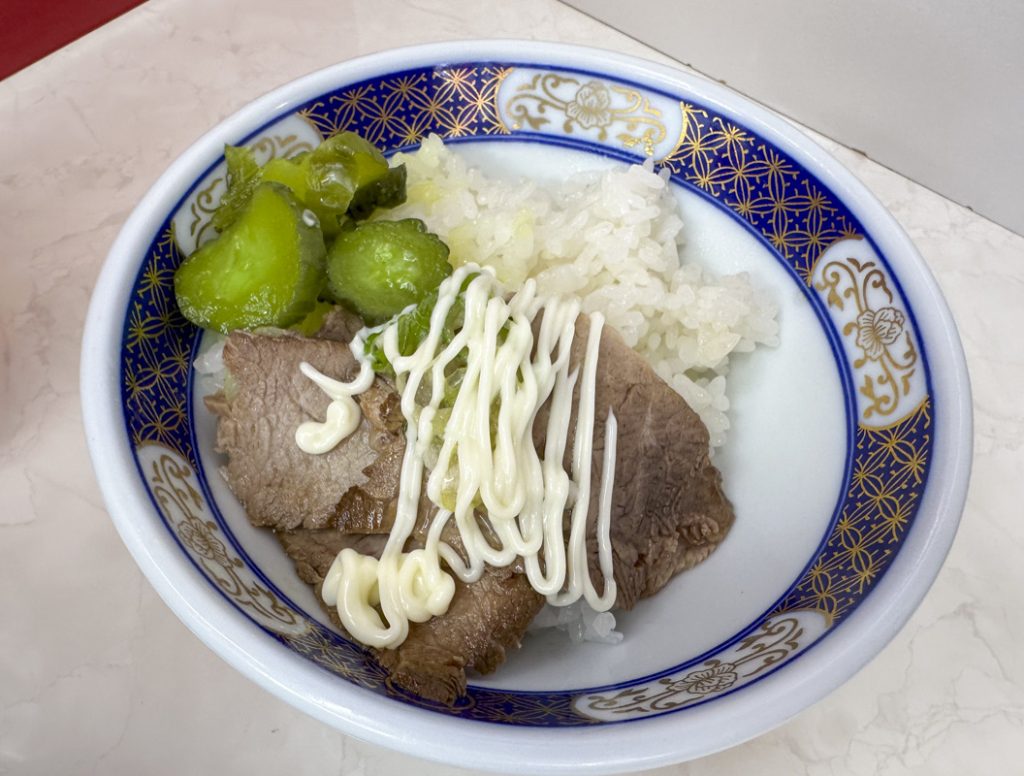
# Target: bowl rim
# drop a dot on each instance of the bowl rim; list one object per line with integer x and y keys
{"x": 605, "y": 748}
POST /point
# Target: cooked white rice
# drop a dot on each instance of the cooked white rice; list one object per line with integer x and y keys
{"x": 611, "y": 238}
{"x": 579, "y": 621}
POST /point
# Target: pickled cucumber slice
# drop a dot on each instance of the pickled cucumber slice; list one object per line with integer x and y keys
{"x": 243, "y": 177}
{"x": 386, "y": 192}
{"x": 265, "y": 269}
{"x": 290, "y": 172}
{"x": 339, "y": 167}
{"x": 294, "y": 173}
{"x": 345, "y": 176}
{"x": 313, "y": 321}
{"x": 381, "y": 267}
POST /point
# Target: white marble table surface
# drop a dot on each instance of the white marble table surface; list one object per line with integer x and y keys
{"x": 97, "y": 675}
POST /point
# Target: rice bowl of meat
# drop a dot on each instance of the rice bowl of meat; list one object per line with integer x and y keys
{"x": 841, "y": 442}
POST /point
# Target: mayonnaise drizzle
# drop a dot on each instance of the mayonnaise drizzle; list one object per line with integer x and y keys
{"x": 343, "y": 414}
{"x": 523, "y": 494}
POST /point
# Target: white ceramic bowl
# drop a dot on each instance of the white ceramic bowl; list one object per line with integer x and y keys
{"x": 848, "y": 461}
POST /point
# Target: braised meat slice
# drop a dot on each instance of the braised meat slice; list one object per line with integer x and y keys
{"x": 340, "y": 325}
{"x": 265, "y": 400}
{"x": 484, "y": 620}
{"x": 668, "y": 509}
{"x": 313, "y": 550}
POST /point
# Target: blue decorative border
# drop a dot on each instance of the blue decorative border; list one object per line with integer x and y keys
{"x": 395, "y": 111}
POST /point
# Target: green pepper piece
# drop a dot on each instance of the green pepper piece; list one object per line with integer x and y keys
{"x": 381, "y": 267}
{"x": 265, "y": 269}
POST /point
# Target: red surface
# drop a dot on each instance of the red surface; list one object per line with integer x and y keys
{"x": 31, "y": 29}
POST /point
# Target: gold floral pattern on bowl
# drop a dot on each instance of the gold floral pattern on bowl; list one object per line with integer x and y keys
{"x": 175, "y": 489}
{"x": 883, "y": 350}
{"x": 549, "y": 98}
{"x": 777, "y": 639}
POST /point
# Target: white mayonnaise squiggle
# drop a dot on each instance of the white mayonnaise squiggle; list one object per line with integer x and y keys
{"x": 343, "y": 414}
{"x": 524, "y": 494}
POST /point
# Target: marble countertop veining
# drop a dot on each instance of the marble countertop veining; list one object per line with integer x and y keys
{"x": 97, "y": 675}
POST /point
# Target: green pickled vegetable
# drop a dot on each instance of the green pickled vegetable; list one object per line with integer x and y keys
{"x": 387, "y": 191}
{"x": 339, "y": 167}
{"x": 314, "y": 319}
{"x": 413, "y": 326}
{"x": 345, "y": 176}
{"x": 290, "y": 172}
{"x": 381, "y": 267}
{"x": 294, "y": 173}
{"x": 243, "y": 178}
{"x": 265, "y": 269}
